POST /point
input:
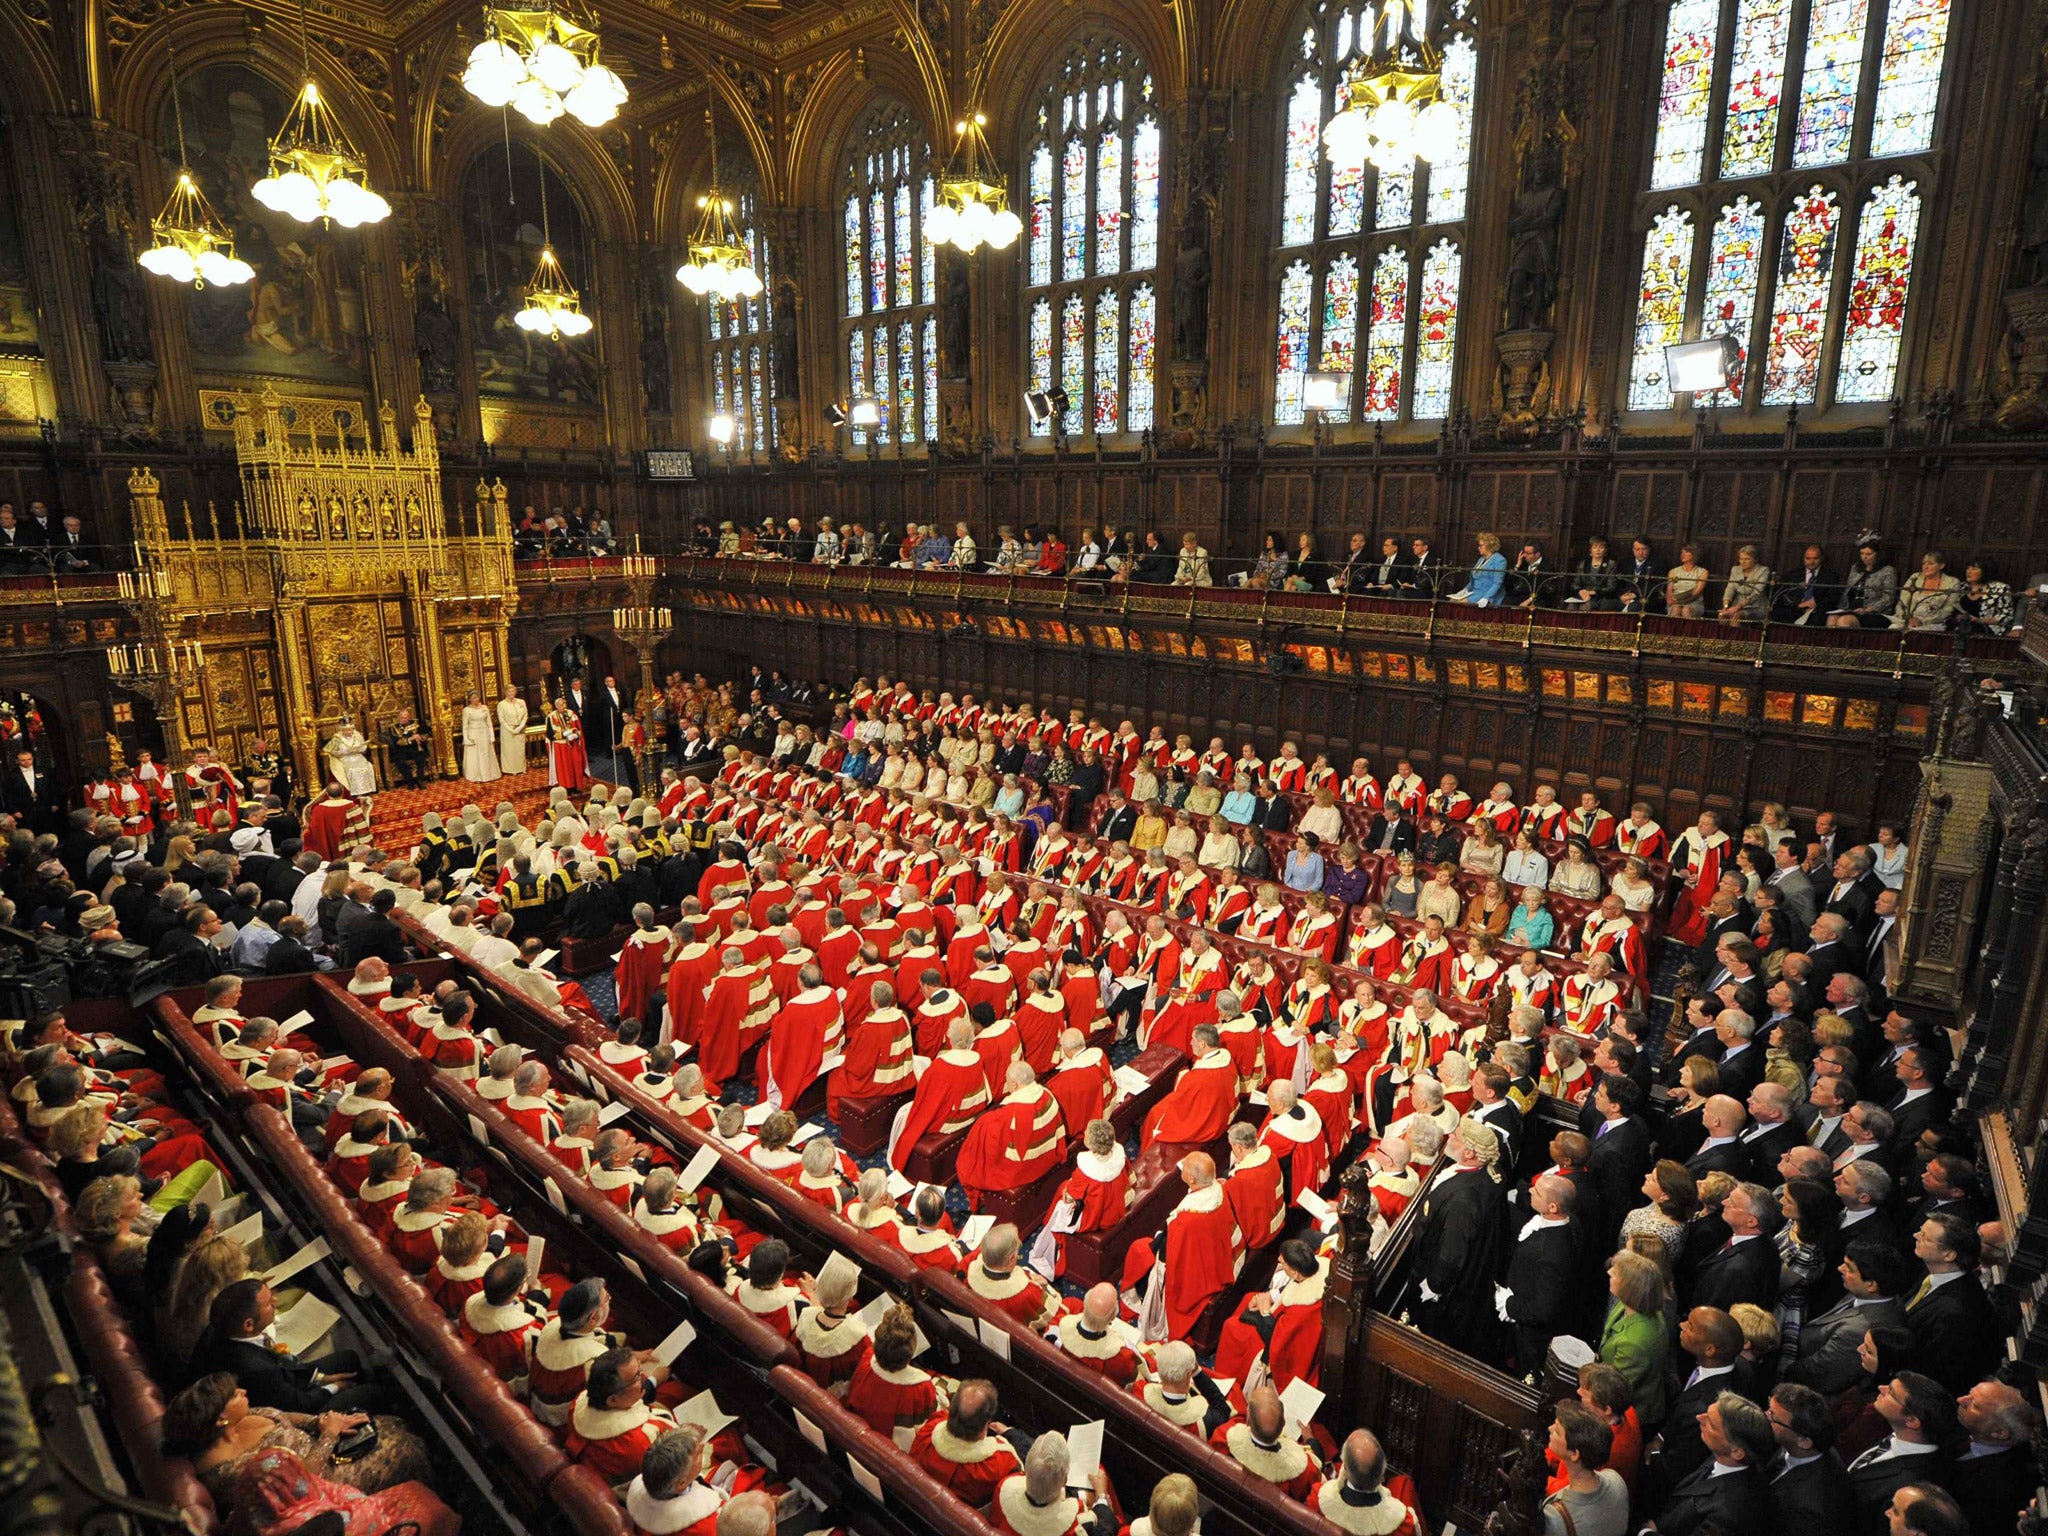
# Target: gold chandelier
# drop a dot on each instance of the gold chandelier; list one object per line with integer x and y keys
{"x": 718, "y": 263}
{"x": 551, "y": 308}
{"x": 542, "y": 64}
{"x": 315, "y": 170}
{"x": 192, "y": 245}
{"x": 1395, "y": 112}
{"x": 972, "y": 210}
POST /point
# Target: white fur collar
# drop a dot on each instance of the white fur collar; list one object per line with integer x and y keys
{"x": 483, "y": 1318}
{"x": 594, "y": 1423}
{"x": 814, "y": 1338}
{"x": 662, "y": 1517}
{"x": 1284, "y": 1463}
{"x": 1025, "y": 1518}
{"x": 964, "y": 1453}
{"x": 1196, "y": 1201}
{"x": 982, "y": 1283}
{"x": 1103, "y": 1170}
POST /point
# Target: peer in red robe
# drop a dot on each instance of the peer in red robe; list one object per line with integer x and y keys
{"x": 952, "y": 1090}
{"x": 877, "y": 1061}
{"x": 1697, "y": 855}
{"x": 692, "y": 967}
{"x": 1256, "y": 1188}
{"x": 1204, "y": 1249}
{"x": 336, "y": 823}
{"x": 1083, "y": 1081}
{"x": 832, "y": 1346}
{"x": 640, "y": 969}
{"x": 998, "y": 1278}
{"x": 1040, "y": 1017}
{"x": 1283, "y": 1322}
{"x": 804, "y": 1031}
{"x": 738, "y": 1008}
{"x": 1295, "y": 1133}
{"x": 1016, "y": 1143}
{"x": 1202, "y": 1101}
{"x": 1096, "y": 1339}
{"x": 613, "y": 1440}
{"x": 957, "y": 1450}
{"x": 1097, "y": 1193}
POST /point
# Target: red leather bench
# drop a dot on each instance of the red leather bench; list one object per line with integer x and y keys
{"x": 864, "y": 1124}
{"x": 1099, "y": 1255}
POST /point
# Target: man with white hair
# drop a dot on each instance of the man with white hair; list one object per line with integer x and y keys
{"x": 1204, "y": 1098}
{"x": 739, "y": 1006}
{"x": 1426, "y": 1098}
{"x": 1082, "y": 1080}
{"x": 1035, "y": 1502}
{"x": 1456, "y": 1244}
{"x": 1017, "y": 1142}
{"x": 1095, "y": 1338}
{"x": 951, "y": 1091}
{"x": 996, "y": 1275}
{"x": 1256, "y": 1186}
{"x": 1356, "y": 1501}
{"x": 530, "y": 1106}
{"x": 1294, "y": 1131}
{"x": 1181, "y": 1393}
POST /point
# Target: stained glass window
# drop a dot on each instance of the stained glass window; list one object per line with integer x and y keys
{"x": 1810, "y": 281}
{"x": 1074, "y": 211}
{"x": 1689, "y": 38}
{"x": 1109, "y": 350}
{"x": 1291, "y": 361}
{"x": 1436, "y": 342}
{"x": 1304, "y": 161}
{"x": 1876, "y": 318}
{"x": 1735, "y": 263}
{"x": 1347, "y": 305}
{"x": 891, "y": 269}
{"x": 1041, "y": 357}
{"x": 1144, "y": 323}
{"x": 857, "y": 373}
{"x": 1340, "y": 325}
{"x": 1806, "y": 265}
{"x": 1092, "y": 168}
{"x": 1827, "y": 87}
{"x": 1909, "y": 76}
{"x": 1756, "y": 80}
{"x": 1041, "y": 216}
{"x": 756, "y": 392}
{"x": 1074, "y": 358}
{"x": 1386, "y": 337}
{"x": 740, "y": 376}
{"x": 931, "y": 379}
{"x": 1660, "y": 307}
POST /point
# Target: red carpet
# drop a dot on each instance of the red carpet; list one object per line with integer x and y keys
{"x": 395, "y": 813}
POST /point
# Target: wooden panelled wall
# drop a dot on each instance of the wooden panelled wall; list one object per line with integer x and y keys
{"x": 1723, "y": 734}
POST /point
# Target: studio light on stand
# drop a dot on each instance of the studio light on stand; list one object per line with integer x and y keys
{"x": 1325, "y": 394}
{"x": 721, "y": 428}
{"x": 866, "y": 412}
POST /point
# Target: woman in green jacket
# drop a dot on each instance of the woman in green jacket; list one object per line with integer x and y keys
{"x": 1636, "y": 1339}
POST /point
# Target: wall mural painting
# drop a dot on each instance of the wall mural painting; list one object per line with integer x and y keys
{"x": 17, "y": 305}
{"x": 301, "y": 317}
{"x": 501, "y": 227}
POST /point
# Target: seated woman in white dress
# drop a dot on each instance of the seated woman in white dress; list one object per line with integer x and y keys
{"x": 348, "y": 760}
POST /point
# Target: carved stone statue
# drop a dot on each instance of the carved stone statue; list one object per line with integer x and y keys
{"x": 1191, "y": 285}
{"x": 788, "y": 374}
{"x": 2032, "y": 264}
{"x": 1532, "y": 233}
{"x": 119, "y": 305}
{"x": 955, "y": 348}
{"x": 654, "y": 361}
{"x": 435, "y": 339}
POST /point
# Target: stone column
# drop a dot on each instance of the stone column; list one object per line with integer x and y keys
{"x": 100, "y": 162}
{"x": 1942, "y": 893}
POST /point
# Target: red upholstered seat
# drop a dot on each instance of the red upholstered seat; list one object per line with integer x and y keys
{"x": 864, "y": 1123}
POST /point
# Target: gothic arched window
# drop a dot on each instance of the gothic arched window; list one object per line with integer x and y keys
{"x": 1370, "y": 262}
{"x": 889, "y": 336}
{"x": 741, "y": 348}
{"x": 1787, "y": 174}
{"x": 1091, "y": 241}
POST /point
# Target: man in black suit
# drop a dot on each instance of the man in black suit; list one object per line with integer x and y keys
{"x": 1995, "y": 1477}
{"x": 1722, "y": 1118}
{"x": 1873, "y": 1278}
{"x": 1921, "y": 1416}
{"x": 1955, "y": 1332}
{"x": 1713, "y": 1340}
{"x": 195, "y": 957}
{"x": 1773, "y": 1129}
{"x": 1809, "y": 1489}
{"x": 1386, "y": 576}
{"x": 351, "y": 915}
{"x": 1392, "y": 830}
{"x": 289, "y": 954}
{"x": 1807, "y": 595}
{"x": 1357, "y": 569}
{"x": 1848, "y": 895}
{"x": 1703, "y": 1040}
{"x": 1745, "y": 1268}
{"x": 1456, "y": 1247}
{"x": 1539, "y": 1295}
{"x": 1726, "y": 1493}
{"x": 69, "y": 552}
{"x": 377, "y": 934}
{"x": 1948, "y": 1182}
{"x": 238, "y": 1340}
{"x": 1425, "y": 570}
{"x": 27, "y": 793}
{"x": 1742, "y": 1056}
{"x": 1921, "y": 1104}
{"x": 1119, "y": 819}
{"x": 1620, "y": 1157}
{"x": 1492, "y": 1108}
{"x": 1274, "y": 812}
{"x": 1864, "y": 1187}
{"x": 1833, "y": 950}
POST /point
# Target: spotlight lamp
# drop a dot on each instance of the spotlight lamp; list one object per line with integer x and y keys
{"x": 1039, "y": 404}
{"x": 1325, "y": 392}
{"x": 721, "y": 428}
{"x": 835, "y": 415}
{"x": 972, "y": 208}
{"x": 543, "y": 64}
{"x": 1699, "y": 367}
{"x": 867, "y": 412}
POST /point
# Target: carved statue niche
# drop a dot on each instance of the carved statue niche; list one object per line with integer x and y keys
{"x": 1191, "y": 276}
{"x": 654, "y": 353}
{"x": 1532, "y": 234}
{"x": 434, "y": 337}
{"x": 119, "y": 307}
{"x": 788, "y": 359}
{"x": 955, "y": 318}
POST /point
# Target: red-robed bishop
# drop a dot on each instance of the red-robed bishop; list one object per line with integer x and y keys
{"x": 951, "y": 1091}
{"x": 805, "y": 1030}
{"x": 1200, "y": 1106}
{"x": 1016, "y": 1143}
